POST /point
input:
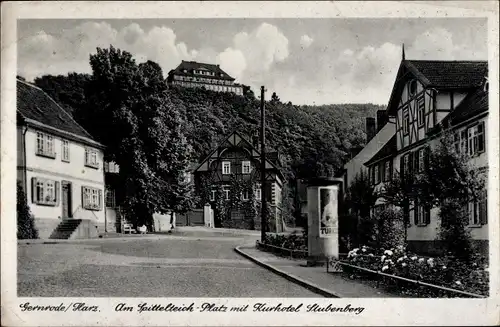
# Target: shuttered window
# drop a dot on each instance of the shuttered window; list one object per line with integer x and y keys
{"x": 45, "y": 191}
{"x": 91, "y": 198}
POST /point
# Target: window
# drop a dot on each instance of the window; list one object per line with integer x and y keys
{"x": 65, "y": 151}
{"x": 226, "y": 192}
{"x": 245, "y": 195}
{"x": 45, "y": 145}
{"x": 212, "y": 195}
{"x": 45, "y": 192}
{"x": 413, "y": 87}
{"x": 110, "y": 198}
{"x": 478, "y": 212}
{"x": 376, "y": 173}
{"x": 406, "y": 164}
{"x": 245, "y": 167}
{"x": 421, "y": 160}
{"x": 91, "y": 158}
{"x": 91, "y": 198}
{"x": 422, "y": 215}
{"x": 111, "y": 167}
{"x": 406, "y": 121}
{"x": 475, "y": 139}
{"x": 226, "y": 167}
{"x": 387, "y": 171}
{"x": 421, "y": 110}
{"x": 258, "y": 192}
{"x": 463, "y": 142}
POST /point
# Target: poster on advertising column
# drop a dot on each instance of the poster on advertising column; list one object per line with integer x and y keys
{"x": 328, "y": 210}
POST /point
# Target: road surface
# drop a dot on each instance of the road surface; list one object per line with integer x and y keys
{"x": 166, "y": 266}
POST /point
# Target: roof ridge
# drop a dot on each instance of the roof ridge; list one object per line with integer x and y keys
{"x": 59, "y": 106}
{"x": 29, "y": 84}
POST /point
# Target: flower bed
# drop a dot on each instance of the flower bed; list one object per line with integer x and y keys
{"x": 443, "y": 271}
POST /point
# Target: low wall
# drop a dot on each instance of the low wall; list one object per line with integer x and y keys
{"x": 46, "y": 226}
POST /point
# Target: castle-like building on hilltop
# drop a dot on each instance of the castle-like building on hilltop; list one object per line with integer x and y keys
{"x": 197, "y": 74}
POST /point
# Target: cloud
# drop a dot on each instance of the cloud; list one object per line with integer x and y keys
{"x": 306, "y": 41}
{"x": 367, "y": 74}
{"x": 46, "y": 54}
{"x": 232, "y": 62}
{"x": 263, "y": 47}
{"x": 346, "y": 72}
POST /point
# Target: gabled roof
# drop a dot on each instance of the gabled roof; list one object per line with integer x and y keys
{"x": 190, "y": 66}
{"x": 389, "y": 149}
{"x": 473, "y": 104}
{"x": 33, "y": 104}
{"x": 236, "y": 138}
{"x": 439, "y": 75}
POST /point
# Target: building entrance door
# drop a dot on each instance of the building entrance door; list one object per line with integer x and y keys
{"x": 66, "y": 200}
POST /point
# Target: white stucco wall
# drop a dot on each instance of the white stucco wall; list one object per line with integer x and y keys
{"x": 73, "y": 171}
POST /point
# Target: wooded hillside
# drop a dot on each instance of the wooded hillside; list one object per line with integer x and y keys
{"x": 312, "y": 140}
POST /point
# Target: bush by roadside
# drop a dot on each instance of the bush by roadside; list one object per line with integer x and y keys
{"x": 292, "y": 241}
{"x": 447, "y": 271}
{"x": 25, "y": 222}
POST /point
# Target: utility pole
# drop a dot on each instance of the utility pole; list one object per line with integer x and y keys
{"x": 263, "y": 216}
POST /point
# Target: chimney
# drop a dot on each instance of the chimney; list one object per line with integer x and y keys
{"x": 382, "y": 119}
{"x": 370, "y": 128}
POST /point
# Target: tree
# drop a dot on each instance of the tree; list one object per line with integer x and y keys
{"x": 147, "y": 140}
{"x": 450, "y": 181}
{"x": 275, "y": 98}
{"x": 398, "y": 192}
{"x": 25, "y": 222}
{"x": 67, "y": 90}
{"x": 359, "y": 198}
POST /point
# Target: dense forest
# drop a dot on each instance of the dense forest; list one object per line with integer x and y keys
{"x": 312, "y": 140}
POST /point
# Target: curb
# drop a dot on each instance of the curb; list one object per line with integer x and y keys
{"x": 297, "y": 280}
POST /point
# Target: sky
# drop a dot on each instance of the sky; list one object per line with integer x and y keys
{"x": 305, "y": 61}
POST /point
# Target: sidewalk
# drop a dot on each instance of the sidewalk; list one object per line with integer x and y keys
{"x": 203, "y": 231}
{"x": 315, "y": 279}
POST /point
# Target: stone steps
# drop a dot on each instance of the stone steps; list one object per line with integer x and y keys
{"x": 65, "y": 229}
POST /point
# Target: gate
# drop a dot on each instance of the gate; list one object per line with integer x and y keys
{"x": 191, "y": 218}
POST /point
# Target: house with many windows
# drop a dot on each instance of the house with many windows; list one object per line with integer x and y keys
{"x": 428, "y": 98}
{"x": 198, "y": 74}
{"x": 59, "y": 166}
{"x": 237, "y": 161}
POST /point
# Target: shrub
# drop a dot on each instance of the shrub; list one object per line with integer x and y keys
{"x": 25, "y": 222}
{"x": 289, "y": 241}
{"x": 389, "y": 228}
{"x": 448, "y": 271}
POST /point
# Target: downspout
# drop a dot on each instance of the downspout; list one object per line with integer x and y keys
{"x": 104, "y": 200}
{"x": 25, "y": 177}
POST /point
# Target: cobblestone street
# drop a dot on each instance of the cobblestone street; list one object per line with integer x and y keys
{"x": 166, "y": 266}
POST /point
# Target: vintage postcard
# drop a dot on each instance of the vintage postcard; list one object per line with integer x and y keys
{"x": 250, "y": 163}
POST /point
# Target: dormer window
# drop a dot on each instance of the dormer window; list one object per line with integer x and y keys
{"x": 413, "y": 87}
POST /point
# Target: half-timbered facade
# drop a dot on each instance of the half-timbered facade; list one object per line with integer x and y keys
{"x": 427, "y": 97}
{"x": 236, "y": 161}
